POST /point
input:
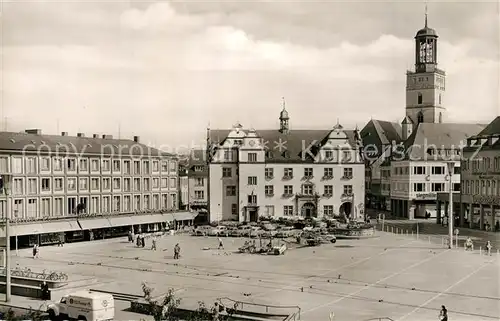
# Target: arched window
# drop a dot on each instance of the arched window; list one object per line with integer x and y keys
{"x": 420, "y": 117}
{"x": 419, "y": 98}
{"x": 440, "y": 116}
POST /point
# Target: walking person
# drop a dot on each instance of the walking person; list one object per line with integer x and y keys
{"x": 443, "y": 314}
{"x": 488, "y": 247}
{"x": 221, "y": 245}
{"x": 153, "y": 244}
{"x": 177, "y": 251}
{"x": 37, "y": 251}
{"x": 34, "y": 251}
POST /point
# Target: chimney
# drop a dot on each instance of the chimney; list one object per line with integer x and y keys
{"x": 64, "y": 134}
{"x": 33, "y": 131}
{"x": 137, "y": 139}
{"x": 80, "y": 135}
{"x": 95, "y": 136}
{"x": 107, "y": 136}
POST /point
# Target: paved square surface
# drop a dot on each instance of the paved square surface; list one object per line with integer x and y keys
{"x": 389, "y": 276}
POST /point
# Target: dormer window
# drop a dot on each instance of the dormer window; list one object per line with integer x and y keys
{"x": 269, "y": 154}
{"x": 286, "y": 154}
{"x": 329, "y": 155}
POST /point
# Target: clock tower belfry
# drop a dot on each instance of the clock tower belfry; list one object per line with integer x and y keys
{"x": 425, "y": 86}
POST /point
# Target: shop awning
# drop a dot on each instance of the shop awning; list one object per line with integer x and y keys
{"x": 91, "y": 224}
{"x": 185, "y": 216}
{"x": 121, "y": 221}
{"x": 148, "y": 219}
{"x": 60, "y": 226}
{"x": 22, "y": 229}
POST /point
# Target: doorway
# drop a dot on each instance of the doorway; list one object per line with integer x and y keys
{"x": 345, "y": 209}
{"x": 308, "y": 210}
{"x": 252, "y": 215}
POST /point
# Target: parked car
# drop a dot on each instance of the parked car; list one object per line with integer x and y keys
{"x": 232, "y": 231}
{"x": 284, "y": 232}
{"x": 256, "y": 232}
{"x": 245, "y": 231}
{"x": 202, "y": 230}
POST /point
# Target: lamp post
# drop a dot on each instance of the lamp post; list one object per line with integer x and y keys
{"x": 451, "y": 167}
{"x": 16, "y": 220}
{"x": 6, "y": 178}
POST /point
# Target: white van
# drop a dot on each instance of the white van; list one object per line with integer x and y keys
{"x": 84, "y": 305}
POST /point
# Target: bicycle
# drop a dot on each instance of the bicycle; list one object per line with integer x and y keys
{"x": 43, "y": 275}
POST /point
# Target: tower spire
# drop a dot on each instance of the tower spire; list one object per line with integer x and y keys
{"x": 426, "y": 14}
{"x": 283, "y": 102}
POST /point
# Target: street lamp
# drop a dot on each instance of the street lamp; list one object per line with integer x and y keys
{"x": 5, "y": 182}
{"x": 451, "y": 167}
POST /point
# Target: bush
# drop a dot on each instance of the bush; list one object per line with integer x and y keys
{"x": 32, "y": 315}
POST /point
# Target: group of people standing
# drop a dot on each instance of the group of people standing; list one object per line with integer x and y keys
{"x": 140, "y": 241}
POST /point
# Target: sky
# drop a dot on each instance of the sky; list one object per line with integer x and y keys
{"x": 166, "y": 70}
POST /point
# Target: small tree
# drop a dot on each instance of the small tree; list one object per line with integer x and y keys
{"x": 164, "y": 310}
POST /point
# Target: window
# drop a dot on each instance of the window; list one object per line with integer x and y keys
{"x": 126, "y": 167}
{"x": 347, "y": 189}
{"x": 200, "y": 181}
{"x": 329, "y": 155}
{"x": 147, "y": 169}
{"x": 347, "y": 172}
{"x": 106, "y": 183}
{"x": 437, "y": 187}
{"x": 308, "y": 172}
{"x": 127, "y": 203}
{"x": 116, "y": 166}
{"x": 31, "y": 209}
{"x": 137, "y": 184}
{"x": 228, "y": 155}
{"x": 252, "y": 157}
{"x": 84, "y": 184}
{"x": 173, "y": 166}
{"x": 45, "y": 184}
{"x": 116, "y": 184}
{"x": 288, "y": 173}
{"x": 71, "y": 183}
{"x": 137, "y": 203}
{"x": 137, "y": 167}
{"x": 126, "y": 184}
{"x": 106, "y": 166}
{"x": 156, "y": 183}
{"x": 252, "y": 180}
{"x": 156, "y": 201}
{"x": 106, "y": 204}
{"x": 57, "y": 164}
{"x": 173, "y": 183}
{"x": 58, "y": 206}
{"x": 288, "y": 190}
{"x": 17, "y": 165}
{"x": 269, "y": 172}
{"x": 234, "y": 209}
{"x": 226, "y": 172}
{"x": 30, "y": 165}
{"x": 84, "y": 165}
{"x": 437, "y": 170}
{"x": 58, "y": 184}
{"x": 147, "y": 202}
{"x": 164, "y": 166}
{"x": 4, "y": 164}
{"x": 71, "y": 164}
{"x": 252, "y": 199}
{"x": 230, "y": 190}
{"x": 45, "y": 207}
{"x": 419, "y": 170}
{"x": 269, "y": 210}
{"x": 94, "y": 165}
{"x": 420, "y": 117}
{"x": 18, "y": 209}
{"x": 419, "y": 187}
{"x": 346, "y": 156}
{"x": 456, "y": 170}
{"x": 94, "y": 183}
{"x": 146, "y": 186}
{"x": 31, "y": 186}
{"x": 269, "y": 190}
{"x": 116, "y": 204}
{"x": 328, "y": 173}
{"x": 288, "y": 210}
{"x": 156, "y": 166}
{"x": 328, "y": 210}
{"x": 199, "y": 195}
{"x": 419, "y": 98}
{"x": 440, "y": 114}
{"x": 164, "y": 183}
{"x": 456, "y": 187}
{"x": 328, "y": 190}
{"x": 307, "y": 189}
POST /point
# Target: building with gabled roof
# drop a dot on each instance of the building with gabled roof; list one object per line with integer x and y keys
{"x": 193, "y": 173}
{"x": 406, "y": 163}
{"x": 285, "y": 173}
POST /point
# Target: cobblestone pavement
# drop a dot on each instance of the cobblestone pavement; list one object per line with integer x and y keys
{"x": 392, "y": 276}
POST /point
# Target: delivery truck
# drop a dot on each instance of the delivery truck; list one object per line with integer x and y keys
{"x": 83, "y": 305}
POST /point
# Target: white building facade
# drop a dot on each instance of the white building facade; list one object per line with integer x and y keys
{"x": 283, "y": 173}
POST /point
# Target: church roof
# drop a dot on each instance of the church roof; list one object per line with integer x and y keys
{"x": 380, "y": 132}
{"x": 286, "y": 147}
{"x": 442, "y": 136}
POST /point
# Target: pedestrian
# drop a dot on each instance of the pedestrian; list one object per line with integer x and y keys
{"x": 61, "y": 240}
{"x": 221, "y": 245}
{"x": 443, "y": 314}
{"x": 34, "y": 250}
{"x": 130, "y": 237}
{"x": 488, "y": 247}
{"x": 153, "y": 244}
{"x": 177, "y": 251}
{"x": 37, "y": 251}
{"x": 143, "y": 241}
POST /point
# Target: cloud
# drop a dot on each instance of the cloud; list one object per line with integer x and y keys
{"x": 165, "y": 72}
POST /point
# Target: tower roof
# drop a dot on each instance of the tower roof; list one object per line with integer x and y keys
{"x": 284, "y": 112}
{"x": 426, "y": 31}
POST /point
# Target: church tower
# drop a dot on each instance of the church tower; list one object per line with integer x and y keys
{"x": 425, "y": 86}
{"x": 284, "y": 125}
